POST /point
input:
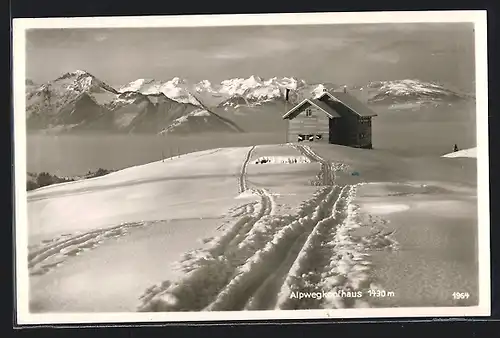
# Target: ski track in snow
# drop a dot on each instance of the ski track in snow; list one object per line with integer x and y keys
{"x": 248, "y": 208}
{"x": 242, "y": 182}
{"x": 256, "y": 265}
{"x": 210, "y": 271}
{"x": 257, "y": 280}
{"x": 213, "y": 265}
{"x": 326, "y": 175}
{"x": 262, "y": 258}
{"x": 52, "y": 253}
{"x": 323, "y": 264}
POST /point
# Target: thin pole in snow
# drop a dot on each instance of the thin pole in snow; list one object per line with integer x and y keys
{"x": 286, "y": 111}
{"x": 160, "y": 135}
{"x": 287, "y": 123}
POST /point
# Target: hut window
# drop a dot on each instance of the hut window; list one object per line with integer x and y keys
{"x": 319, "y": 137}
{"x": 310, "y": 138}
{"x": 308, "y": 112}
{"x": 300, "y": 138}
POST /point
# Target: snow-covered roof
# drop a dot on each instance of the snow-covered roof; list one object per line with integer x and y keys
{"x": 350, "y": 102}
{"x": 338, "y": 97}
{"x": 329, "y": 111}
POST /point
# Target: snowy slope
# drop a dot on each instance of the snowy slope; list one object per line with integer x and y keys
{"x": 215, "y": 231}
{"x": 159, "y": 196}
{"x": 472, "y": 153}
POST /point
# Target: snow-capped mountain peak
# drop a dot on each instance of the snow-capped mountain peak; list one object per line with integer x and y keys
{"x": 80, "y": 81}
{"x": 200, "y": 120}
{"x": 176, "y": 81}
{"x": 238, "y": 85}
{"x": 74, "y": 75}
{"x": 78, "y": 101}
{"x": 80, "y": 72}
{"x": 176, "y": 89}
{"x": 135, "y": 86}
{"x": 286, "y": 82}
{"x": 253, "y": 88}
{"x": 67, "y": 89}
{"x": 318, "y": 91}
{"x": 272, "y": 89}
{"x": 394, "y": 91}
{"x": 257, "y": 89}
{"x": 205, "y": 86}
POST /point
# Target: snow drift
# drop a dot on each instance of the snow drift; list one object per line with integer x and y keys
{"x": 471, "y": 152}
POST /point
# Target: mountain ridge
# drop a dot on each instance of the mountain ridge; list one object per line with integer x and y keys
{"x": 79, "y": 101}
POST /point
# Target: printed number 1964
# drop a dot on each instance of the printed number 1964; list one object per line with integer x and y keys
{"x": 460, "y": 295}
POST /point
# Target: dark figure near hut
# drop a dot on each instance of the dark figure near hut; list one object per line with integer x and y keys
{"x": 455, "y": 148}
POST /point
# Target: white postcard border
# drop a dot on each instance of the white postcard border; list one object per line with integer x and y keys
{"x": 20, "y": 223}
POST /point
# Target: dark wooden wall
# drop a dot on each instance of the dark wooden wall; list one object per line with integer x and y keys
{"x": 365, "y": 132}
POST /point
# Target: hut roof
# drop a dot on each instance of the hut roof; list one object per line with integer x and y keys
{"x": 350, "y": 102}
{"x": 324, "y": 107}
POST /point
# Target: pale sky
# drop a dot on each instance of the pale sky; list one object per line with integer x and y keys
{"x": 351, "y": 54}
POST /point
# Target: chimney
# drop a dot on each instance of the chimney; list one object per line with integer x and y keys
{"x": 287, "y": 93}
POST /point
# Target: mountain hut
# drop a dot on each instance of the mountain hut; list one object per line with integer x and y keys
{"x": 333, "y": 118}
